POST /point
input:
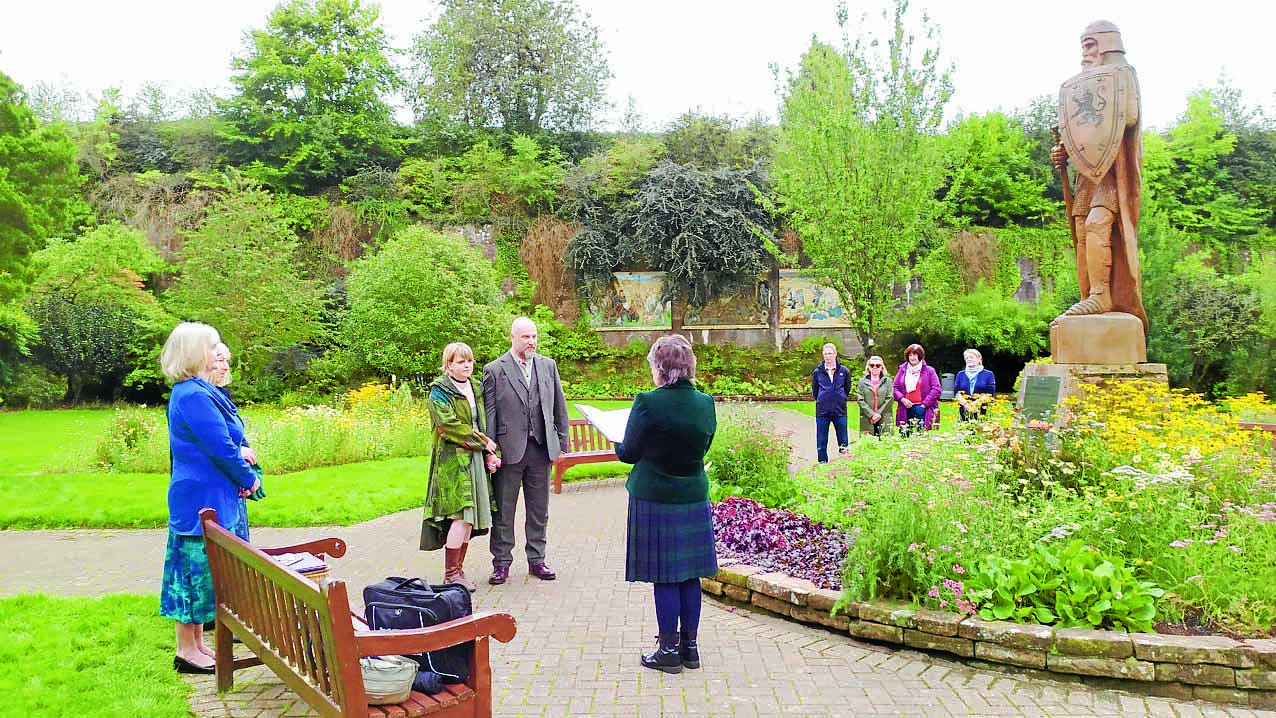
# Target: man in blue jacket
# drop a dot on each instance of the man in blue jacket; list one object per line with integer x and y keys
{"x": 830, "y": 385}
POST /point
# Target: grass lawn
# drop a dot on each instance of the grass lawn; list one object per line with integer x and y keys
{"x": 32, "y": 442}
{"x": 109, "y": 656}
{"x": 36, "y": 441}
{"x": 338, "y": 495}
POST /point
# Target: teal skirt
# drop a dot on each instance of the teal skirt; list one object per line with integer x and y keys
{"x": 186, "y": 595}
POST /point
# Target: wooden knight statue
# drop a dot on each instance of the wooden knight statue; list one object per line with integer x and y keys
{"x": 1100, "y": 134}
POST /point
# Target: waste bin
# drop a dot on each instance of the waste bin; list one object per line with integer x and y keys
{"x": 946, "y": 382}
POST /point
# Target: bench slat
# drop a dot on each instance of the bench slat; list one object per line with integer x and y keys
{"x": 585, "y": 445}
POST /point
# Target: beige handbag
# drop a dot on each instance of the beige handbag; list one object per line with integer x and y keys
{"x": 387, "y": 679}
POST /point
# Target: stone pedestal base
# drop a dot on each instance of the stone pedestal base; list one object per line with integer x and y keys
{"x": 1073, "y": 376}
{"x": 1115, "y": 338}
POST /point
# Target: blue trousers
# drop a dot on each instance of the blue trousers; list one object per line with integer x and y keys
{"x": 822, "y": 435}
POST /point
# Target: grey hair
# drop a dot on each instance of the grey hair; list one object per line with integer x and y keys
{"x": 978, "y": 356}
{"x": 672, "y": 359}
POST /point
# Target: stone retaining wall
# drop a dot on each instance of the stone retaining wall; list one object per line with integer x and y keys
{"x": 1211, "y": 668}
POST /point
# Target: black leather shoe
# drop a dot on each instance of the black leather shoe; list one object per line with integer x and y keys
{"x": 184, "y": 666}
{"x": 688, "y": 649}
{"x": 541, "y": 571}
{"x": 500, "y": 574}
{"x": 665, "y": 658}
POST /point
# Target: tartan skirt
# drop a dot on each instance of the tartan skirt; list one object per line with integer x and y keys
{"x": 186, "y": 594}
{"x": 669, "y": 543}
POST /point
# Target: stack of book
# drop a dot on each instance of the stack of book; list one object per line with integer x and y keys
{"x": 306, "y": 564}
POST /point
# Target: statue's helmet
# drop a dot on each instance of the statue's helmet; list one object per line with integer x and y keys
{"x": 1105, "y": 34}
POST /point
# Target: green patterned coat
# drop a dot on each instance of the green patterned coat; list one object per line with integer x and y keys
{"x": 456, "y": 459}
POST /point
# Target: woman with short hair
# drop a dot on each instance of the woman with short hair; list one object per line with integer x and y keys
{"x": 974, "y": 387}
{"x": 670, "y": 528}
{"x": 458, "y": 496}
{"x": 208, "y": 470}
{"x": 917, "y": 390}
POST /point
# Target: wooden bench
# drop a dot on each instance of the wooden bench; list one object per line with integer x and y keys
{"x": 585, "y": 445}
{"x": 308, "y": 636}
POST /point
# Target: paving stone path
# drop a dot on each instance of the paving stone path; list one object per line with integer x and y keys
{"x": 576, "y": 652}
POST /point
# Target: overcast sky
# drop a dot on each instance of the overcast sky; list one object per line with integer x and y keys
{"x": 675, "y": 55}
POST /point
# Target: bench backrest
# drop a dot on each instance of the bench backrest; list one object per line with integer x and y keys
{"x": 584, "y": 436}
{"x": 301, "y": 632}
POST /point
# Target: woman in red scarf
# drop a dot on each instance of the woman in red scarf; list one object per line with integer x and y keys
{"x": 917, "y": 391}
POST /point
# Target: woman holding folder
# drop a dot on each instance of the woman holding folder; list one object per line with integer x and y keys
{"x": 670, "y": 529}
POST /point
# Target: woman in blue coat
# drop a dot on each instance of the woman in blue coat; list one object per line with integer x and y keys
{"x": 974, "y": 387}
{"x": 208, "y": 470}
{"x": 670, "y": 530}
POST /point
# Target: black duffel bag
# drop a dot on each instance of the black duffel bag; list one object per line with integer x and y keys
{"x": 398, "y": 603}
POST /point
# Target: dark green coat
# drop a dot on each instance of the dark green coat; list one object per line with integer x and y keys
{"x": 456, "y": 444}
{"x": 669, "y": 432}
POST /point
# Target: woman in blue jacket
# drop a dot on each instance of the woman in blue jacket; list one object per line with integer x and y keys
{"x": 208, "y": 470}
{"x": 974, "y": 387}
{"x": 830, "y": 386}
{"x": 670, "y": 528}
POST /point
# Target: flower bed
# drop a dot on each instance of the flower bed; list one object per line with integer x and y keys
{"x": 780, "y": 540}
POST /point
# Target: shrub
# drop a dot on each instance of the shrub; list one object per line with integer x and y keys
{"x": 749, "y": 458}
{"x": 34, "y": 387}
{"x": 420, "y": 292}
{"x": 374, "y": 424}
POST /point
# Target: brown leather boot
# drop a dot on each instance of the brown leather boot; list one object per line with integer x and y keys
{"x": 461, "y": 578}
{"x": 451, "y": 564}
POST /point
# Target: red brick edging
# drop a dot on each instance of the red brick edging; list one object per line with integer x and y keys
{"x": 1210, "y": 668}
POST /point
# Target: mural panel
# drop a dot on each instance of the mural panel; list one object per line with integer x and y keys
{"x": 631, "y": 302}
{"x": 803, "y": 303}
{"x": 749, "y": 307}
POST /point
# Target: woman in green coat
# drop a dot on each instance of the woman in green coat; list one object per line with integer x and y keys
{"x": 458, "y": 500}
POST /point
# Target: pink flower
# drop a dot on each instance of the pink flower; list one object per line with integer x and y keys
{"x": 957, "y": 568}
{"x": 934, "y": 592}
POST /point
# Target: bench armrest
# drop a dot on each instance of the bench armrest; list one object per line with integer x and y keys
{"x": 333, "y": 547}
{"x": 417, "y": 640}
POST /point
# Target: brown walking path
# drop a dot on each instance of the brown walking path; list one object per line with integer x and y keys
{"x": 576, "y": 652}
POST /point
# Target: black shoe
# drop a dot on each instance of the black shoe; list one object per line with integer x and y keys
{"x": 184, "y": 666}
{"x": 210, "y": 625}
{"x": 665, "y": 658}
{"x": 688, "y": 649}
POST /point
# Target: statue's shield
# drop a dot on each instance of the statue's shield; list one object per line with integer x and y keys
{"x": 1092, "y": 117}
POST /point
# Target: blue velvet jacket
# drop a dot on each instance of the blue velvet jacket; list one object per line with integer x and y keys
{"x": 204, "y": 436}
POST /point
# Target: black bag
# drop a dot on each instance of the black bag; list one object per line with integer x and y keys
{"x": 397, "y": 603}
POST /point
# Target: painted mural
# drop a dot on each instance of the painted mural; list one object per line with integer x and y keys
{"x": 633, "y": 302}
{"x": 749, "y": 307}
{"x": 803, "y": 303}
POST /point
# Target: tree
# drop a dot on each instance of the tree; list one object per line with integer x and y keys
{"x": 239, "y": 273}
{"x": 857, "y": 165}
{"x": 705, "y": 230}
{"x": 994, "y": 181}
{"x": 420, "y": 292}
{"x": 99, "y": 326}
{"x": 308, "y": 111}
{"x": 709, "y": 141}
{"x": 1186, "y": 181}
{"x": 525, "y": 65}
{"x": 39, "y": 188}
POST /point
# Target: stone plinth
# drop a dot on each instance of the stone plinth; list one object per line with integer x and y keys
{"x": 1115, "y": 338}
{"x": 1073, "y": 376}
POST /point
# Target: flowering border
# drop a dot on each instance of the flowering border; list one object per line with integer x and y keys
{"x": 1209, "y": 668}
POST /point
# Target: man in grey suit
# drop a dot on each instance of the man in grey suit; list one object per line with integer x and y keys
{"x": 523, "y": 398}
